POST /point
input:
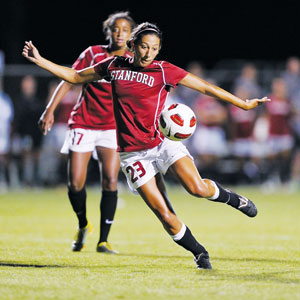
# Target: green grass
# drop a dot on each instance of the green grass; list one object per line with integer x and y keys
{"x": 252, "y": 258}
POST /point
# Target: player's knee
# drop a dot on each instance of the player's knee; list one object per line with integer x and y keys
{"x": 109, "y": 183}
{"x": 75, "y": 186}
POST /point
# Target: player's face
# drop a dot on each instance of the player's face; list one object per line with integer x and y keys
{"x": 120, "y": 33}
{"x": 146, "y": 50}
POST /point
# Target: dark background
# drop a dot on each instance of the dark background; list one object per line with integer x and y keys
{"x": 206, "y": 31}
{"x": 218, "y": 34}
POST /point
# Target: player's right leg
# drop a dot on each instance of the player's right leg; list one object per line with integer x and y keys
{"x": 77, "y": 171}
{"x": 181, "y": 234}
{"x": 187, "y": 173}
{"x": 79, "y": 145}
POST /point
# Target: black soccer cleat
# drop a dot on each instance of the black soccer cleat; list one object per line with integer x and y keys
{"x": 246, "y": 206}
{"x": 202, "y": 261}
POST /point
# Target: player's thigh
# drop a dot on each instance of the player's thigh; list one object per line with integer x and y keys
{"x": 77, "y": 169}
{"x": 109, "y": 159}
{"x": 186, "y": 172}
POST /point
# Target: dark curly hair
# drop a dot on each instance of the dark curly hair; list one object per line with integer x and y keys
{"x": 109, "y": 23}
{"x": 141, "y": 30}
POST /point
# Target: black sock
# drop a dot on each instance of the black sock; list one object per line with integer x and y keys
{"x": 108, "y": 206}
{"x": 78, "y": 202}
{"x": 226, "y": 196}
{"x": 188, "y": 242}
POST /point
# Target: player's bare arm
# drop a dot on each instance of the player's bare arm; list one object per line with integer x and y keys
{"x": 47, "y": 118}
{"x": 209, "y": 89}
{"x": 68, "y": 74}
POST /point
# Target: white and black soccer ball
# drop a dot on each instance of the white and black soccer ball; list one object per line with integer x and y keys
{"x": 177, "y": 122}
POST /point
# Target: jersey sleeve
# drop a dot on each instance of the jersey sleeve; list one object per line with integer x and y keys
{"x": 102, "y": 67}
{"x": 173, "y": 74}
{"x": 84, "y": 59}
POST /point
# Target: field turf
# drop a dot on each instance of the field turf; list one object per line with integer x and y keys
{"x": 252, "y": 258}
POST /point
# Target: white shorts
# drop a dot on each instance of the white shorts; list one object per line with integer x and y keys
{"x": 277, "y": 144}
{"x": 243, "y": 147}
{"x": 4, "y": 144}
{"x": 85, "y": 140}
{"x": 139, "y": 167}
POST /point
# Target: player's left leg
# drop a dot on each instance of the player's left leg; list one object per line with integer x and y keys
{"x": 77, "y": 171}
{"x": 187, "y": 173}
{"x": 162, "y": 188}
{"x": 152, "y": 194}
{"x": 110, "y": 165}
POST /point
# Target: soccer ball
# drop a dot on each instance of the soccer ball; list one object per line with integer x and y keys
{"x": 177, "y": 122}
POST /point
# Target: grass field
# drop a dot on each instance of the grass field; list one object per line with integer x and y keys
{"x": 252, "y": 258}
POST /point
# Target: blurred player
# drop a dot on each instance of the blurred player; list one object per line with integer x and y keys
{"x": 243, "y": 144}
{"x": 140, "y": 88}
{"x": 280, "y": 140}
{"x": 6, "y": 118}
{"x": 209, "y": 142}
{"x": 92, "y": 127}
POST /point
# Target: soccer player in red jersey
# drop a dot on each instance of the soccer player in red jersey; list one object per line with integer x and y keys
{"x": 92, "y": 128}
{"x": 280, "y": 135}
{"x": 140, "y": 87}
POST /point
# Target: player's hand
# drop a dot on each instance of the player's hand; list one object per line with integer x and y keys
{"x": 31, "y": 52}
{"x": 252, "y": 103}
{"x": 46, "y": 121}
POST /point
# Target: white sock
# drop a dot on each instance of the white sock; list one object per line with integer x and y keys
{"x": 217, "y": 192}
{"x": 178, "y": 236}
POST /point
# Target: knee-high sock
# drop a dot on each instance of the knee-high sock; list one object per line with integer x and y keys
{"x": 185, "y": 239}
{"x": 78, "y": 202}
{"x": 224, "y": 196}
{"x": 108, "y": 208}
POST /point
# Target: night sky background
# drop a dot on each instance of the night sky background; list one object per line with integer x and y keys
{"x": 192, "y": 30}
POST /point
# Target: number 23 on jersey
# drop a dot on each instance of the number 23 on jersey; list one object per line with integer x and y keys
{"x": 136, "y": 171}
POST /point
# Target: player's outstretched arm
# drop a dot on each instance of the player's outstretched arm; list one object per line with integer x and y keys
{"x": 68, "y": 74}
{"x": 209, "y": 89}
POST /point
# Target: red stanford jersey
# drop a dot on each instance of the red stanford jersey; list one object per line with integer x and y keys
{"x": 243, "y": 122}
{"x": 94, "y": 109}
{"x": 279, "y": 112}
{"x": 139, "y": 95}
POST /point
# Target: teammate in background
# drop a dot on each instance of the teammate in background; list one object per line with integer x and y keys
{"x": 6, "y": 118}
{"x": 140, "y": 88}
{"x": 280, "y": 139}
{"x": 291, "y": 76}
{"x": 30, "y": 136}
{"x": 248, "y": 80}
{"x": 92, "y": 127}
{"x": 243, "y": 144}
{"x": 209, "y": 143}
{"x": 187, "y": 95}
